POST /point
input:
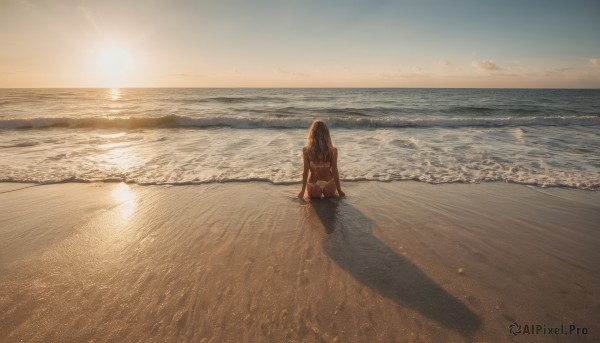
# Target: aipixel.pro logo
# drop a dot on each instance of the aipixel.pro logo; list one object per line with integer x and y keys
{"x": 541, "y": 329}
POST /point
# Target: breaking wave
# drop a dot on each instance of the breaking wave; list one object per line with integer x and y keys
{"x": 174, "y": 121}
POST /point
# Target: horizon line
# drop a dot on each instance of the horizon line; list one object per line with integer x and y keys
{"x": 204, "y": 87}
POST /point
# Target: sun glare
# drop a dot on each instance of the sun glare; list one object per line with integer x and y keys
{"x": 126, "y": 200}
{"x": 115, "y": 61}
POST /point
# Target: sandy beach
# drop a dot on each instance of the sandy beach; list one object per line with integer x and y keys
{"x": 401, "y": 261}
{"x": 151, "y": 154}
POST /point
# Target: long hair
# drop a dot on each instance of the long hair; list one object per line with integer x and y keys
{"x": 318, "y": 143}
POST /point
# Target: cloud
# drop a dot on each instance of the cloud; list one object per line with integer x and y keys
{"x": 292, "y": 73}
{"x": 189, "y": 75}
{"x": 389, "y": 73}
{"x": 485, "y": 65}
{"x": 418, "y": 71}
{"x": 89, "y": 18}
{"x": 444, "y": 64}
{"x": 235, "y": 72}
{"x": 28, "y": 5}
{"x": 399, "y": 73}
{"x": 594, "y": 62}
{"x": 556, "y": 71}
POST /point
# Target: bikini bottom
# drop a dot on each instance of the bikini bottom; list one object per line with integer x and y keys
{"x": 322, "y": 183}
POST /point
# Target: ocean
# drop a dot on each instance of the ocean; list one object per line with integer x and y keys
{"x": 545, "y": 138}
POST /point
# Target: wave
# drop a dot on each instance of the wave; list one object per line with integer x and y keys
{"x": 325, "y": 111}
{"x": 491, "y": 110}
{"x": 232, "y": 99}
{"x": 470, "y": 109}
{"x": 174, "y": 121}
{"x": 532, "y": 183}
{"x": 20, "y": 145}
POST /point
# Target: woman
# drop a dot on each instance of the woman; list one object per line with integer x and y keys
{"x": 320, "y": 158}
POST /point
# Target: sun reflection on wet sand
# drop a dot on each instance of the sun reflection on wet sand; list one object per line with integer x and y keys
{"x": 126, "y": 200}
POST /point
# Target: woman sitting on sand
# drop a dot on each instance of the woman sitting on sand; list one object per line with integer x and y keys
{"x": 320, "y": 158}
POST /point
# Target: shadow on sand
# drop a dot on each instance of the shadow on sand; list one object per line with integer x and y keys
{"x": 350, "y": 243}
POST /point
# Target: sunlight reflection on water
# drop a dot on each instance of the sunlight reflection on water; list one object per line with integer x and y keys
{"x": 114, "y": 94}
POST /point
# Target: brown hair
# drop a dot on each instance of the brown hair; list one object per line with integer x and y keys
{"x": 318, "y": 143}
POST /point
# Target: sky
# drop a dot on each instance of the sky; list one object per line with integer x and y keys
{"x": 300, "y": 43}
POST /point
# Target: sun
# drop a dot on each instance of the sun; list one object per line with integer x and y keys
{"x": 115, "y": 61}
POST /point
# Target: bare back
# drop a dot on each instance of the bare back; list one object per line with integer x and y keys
{"x": 320, "y": 171}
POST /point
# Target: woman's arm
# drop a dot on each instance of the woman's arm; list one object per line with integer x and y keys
{"x": 304, "y": 173}
{"x": 336, "y": 174}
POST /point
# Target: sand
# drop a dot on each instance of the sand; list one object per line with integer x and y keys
{"x": 391, "y": 262}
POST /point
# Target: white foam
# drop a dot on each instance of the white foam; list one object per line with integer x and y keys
{"x": 552, "y": 156}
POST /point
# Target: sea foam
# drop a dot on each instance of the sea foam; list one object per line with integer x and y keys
{"x": 546, "y": 138}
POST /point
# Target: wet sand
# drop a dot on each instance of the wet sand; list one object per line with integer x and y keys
{"x": 392, "y": 262}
